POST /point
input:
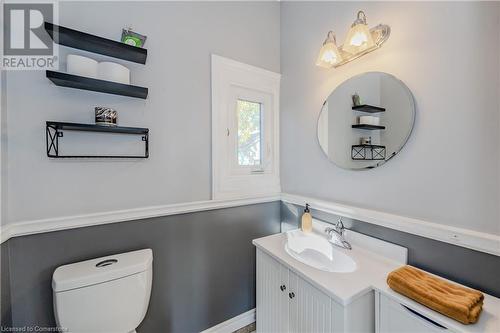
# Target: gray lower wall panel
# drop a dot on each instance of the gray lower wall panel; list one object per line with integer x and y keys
{"x": 204, "y": 265}
{"x": 472, "y": 268}
{"x": 6, "y": 318}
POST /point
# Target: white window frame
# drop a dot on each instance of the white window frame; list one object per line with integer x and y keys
{"x": 232, "y": 80}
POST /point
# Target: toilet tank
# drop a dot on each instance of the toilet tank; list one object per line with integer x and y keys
{"x": 109, "y": 294}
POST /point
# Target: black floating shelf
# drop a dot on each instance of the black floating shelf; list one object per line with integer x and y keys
{"x": 87, "y": 83}
{"x": 55, "y": 130}
{"x": 96, "y": 128}
{"x": 368, "y": 127}
{"x": 84, "y": 41}
{"x": 368, "y": 108}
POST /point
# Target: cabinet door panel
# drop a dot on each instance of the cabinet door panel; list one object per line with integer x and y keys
{"x": 284, "y": 306}
{"x": 272, "y": 302}
{"x": 396, "y": 318}
{"x": 310, "y": 309}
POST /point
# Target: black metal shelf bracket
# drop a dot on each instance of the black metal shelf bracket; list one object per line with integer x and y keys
{"x": 52, "y": 136}
{"x": 368, "y": 152}
{"x": 55, "y": 130}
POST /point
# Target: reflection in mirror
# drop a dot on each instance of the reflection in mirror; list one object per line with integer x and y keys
{"x": 366, "y": 121}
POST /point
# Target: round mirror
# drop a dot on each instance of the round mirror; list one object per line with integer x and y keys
{"x": 366, "y": 121}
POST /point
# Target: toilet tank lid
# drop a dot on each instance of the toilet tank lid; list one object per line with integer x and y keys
{"x": 99, "y": 270}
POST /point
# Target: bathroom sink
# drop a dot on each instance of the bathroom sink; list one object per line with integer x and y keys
{"x": 316, "y": 251}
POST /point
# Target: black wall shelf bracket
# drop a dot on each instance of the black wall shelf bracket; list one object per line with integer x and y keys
{"x": 87, "y": 42}
{"x": 55, "y": 130}
{"x": 367, "y": 152}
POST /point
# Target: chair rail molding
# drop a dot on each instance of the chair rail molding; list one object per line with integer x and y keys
{"x": 471, "y": 239}
{"x": 475, "y": 240}
{"x": 77, "y": 221}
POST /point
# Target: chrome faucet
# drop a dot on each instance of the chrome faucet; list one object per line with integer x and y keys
{"x": 337, "y": 235}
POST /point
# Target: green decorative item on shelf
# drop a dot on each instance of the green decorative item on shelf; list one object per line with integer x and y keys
{"x": 132, "y": 38}
{"x": 356, "y": 100}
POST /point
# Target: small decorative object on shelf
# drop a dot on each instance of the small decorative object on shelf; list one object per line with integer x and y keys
{"x": 366, "y": 141}
{"x": 81, "y": 66}
{"x": 367, "y": 152}
{"x": 54, "y": 131}
{"x": 356, "y": 100}
{"x": 132, "y": 38}
{"x": 111, "y": 71}
{"x": 105, "y": 116}
{"x": 87, "y": 42}
{"x": 369, "y": 120}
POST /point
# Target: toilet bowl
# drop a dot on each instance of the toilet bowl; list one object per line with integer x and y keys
{"x": 104, "y": 295}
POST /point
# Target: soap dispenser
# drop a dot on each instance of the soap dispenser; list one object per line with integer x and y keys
{"x": 306, "y": 224}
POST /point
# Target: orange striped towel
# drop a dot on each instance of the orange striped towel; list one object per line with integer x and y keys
{"x": 457, "y": 302}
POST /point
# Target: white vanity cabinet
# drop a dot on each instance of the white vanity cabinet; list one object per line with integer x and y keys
{"x": 272, "y": 295}
{"x": 288, "y": 303}
{"x": 395, "y": 317}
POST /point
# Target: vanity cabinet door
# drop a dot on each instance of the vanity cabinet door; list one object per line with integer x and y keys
{"x": 310, "y": 309}
{"x": 395, "y": 317}
{"x": 272, "y": 295}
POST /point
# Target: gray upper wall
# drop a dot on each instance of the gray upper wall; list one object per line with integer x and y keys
{"x": 448, "y": 55}
{"x": 181, "y": 37}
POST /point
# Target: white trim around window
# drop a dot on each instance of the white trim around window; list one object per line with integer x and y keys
{"x": 233, "y": 81}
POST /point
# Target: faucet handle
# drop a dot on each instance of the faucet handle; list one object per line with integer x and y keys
{"x": 340, "y": 226}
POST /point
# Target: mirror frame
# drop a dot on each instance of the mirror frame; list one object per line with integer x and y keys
{"x": 413, "y": 119}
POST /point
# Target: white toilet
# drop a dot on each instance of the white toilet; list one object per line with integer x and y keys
{"x": 103, "y": 295}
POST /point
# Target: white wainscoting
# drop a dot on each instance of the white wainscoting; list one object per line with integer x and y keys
{"x": 471, "y": 239}
{"x": 78, "y": 221}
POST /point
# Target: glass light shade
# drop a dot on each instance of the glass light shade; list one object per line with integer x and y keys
{"x": 359, "y": 37}
{"x": 329, "y": 54}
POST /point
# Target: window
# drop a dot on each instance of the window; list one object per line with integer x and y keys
{"x": 249, "y": 132}
{"x": 245, "y": 105}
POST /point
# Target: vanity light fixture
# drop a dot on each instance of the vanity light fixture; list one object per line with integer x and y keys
{"x": 360, "y": 40}
{"x": 329, "y": 54}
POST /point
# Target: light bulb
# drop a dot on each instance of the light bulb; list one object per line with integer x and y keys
{"x": 329, "y": 54}
{"x": 359, "y": 37}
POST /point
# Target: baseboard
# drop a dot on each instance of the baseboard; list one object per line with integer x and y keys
{"x": 233, "y": 324}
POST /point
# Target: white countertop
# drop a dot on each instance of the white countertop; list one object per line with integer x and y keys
{"x": 342, "y": 287}
{"x": 371, "y": 274}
